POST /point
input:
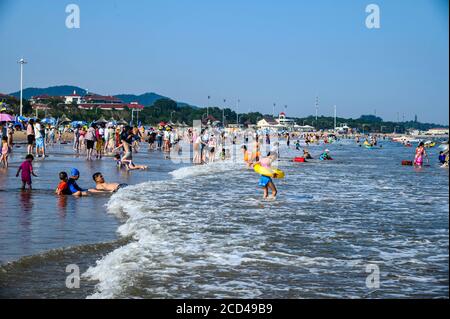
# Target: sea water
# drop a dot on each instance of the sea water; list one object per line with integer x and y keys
{"x": 206, "y": 232}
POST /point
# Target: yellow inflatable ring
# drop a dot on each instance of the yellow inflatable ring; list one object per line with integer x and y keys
{"x": 273, "y": 173}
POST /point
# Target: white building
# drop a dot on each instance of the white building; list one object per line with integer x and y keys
{"x": 74, "y": 97}
{"x": 278, "y": 124}
{"x": 437, "y": 131}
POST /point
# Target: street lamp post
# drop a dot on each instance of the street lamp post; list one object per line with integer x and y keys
{"x": 223, "y": 112}
{"x": 237, "y": 111}
{"x": 21, "y": 62}
{"x": 207, "y": 106}
{"x": 171, "y": 116}
{"x": 335, "y": 117}
{"x": 273, "y": 110}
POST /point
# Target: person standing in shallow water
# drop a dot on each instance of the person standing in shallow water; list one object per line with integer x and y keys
{"x": 5, "y": 151}
{"x": 27, "y": 170}
{"x": 30, "y": 136}
{"x": 420, "y": 154}
{"x": 90, "y": 139}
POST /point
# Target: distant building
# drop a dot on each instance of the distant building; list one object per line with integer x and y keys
{"x": 96, "y": 101}
{"x": 101, "y": 99}
{"x": 41, "y": 106}
{"x": 210, "y": 120}
{"x": 437, "y": 131}
{"x": 286, "y": 122}
{"x": 343, "y": 129}
{"x": 280, "y": 123}
{"x": 267, "y": 122}
{"x": 44, "y": 99}
{"x": 73, "y": 98}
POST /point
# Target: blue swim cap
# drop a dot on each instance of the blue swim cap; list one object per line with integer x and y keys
{"x": 74, "y": 172}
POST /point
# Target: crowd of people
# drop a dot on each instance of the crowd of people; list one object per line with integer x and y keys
{"x": 208, "y": 145}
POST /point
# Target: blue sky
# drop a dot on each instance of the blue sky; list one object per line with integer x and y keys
{"x": 257, "y": 51}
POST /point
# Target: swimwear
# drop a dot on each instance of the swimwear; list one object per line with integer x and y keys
{"x": 30, "y": 139}
{"x": 90, "y": 144}
{"x": 73, "y": 186}
{"x": 264, "y": 180}
{"x": 120, "y": 186}
{"x": 40, "y": 142}
{"x": 26, "y": 172}
{"x": 418, "y": 160}
{"x": 63, "y": 188}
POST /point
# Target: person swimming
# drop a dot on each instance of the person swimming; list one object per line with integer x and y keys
{"x": 101, "y": 186}
{"x": 306, "y": 154}
{"x": 128, "y": 163}
{"x": 325, "y": 155}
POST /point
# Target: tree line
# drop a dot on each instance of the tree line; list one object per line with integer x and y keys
{"x": 168, "y": 110}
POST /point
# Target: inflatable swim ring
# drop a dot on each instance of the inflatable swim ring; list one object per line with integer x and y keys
{"x": 275, "y": 173}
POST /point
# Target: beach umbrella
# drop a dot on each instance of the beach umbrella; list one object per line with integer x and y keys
{"x": 49, "y": 120}
{"x": 6, "y": 117}
{"x": 63, "y": 119}
{"x": 122, "y": 122}
{"x": 80, "y": 123}
{"x": 162, "y": 123}
{"x": 101, "y": 121}
{"x": 21, "y": 119}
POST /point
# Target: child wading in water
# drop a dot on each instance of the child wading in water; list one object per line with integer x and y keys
{"x": 266, "y": 182}
{"x": 5, "y": 151}
{"x": 27, "y": 170}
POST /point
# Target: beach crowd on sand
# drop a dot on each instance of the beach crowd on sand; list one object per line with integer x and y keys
{"x": 207, "y": 145}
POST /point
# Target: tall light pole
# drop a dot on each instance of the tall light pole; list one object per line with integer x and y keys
{"x": 223, "y": 112}
{"x": 207, "y": 106}
{"x": 21, "y": 62}
{"x": 237, "y": 111}
{"x": 273, "y": 110}
{"x": 171, "y": 116}
{"x": 335, "y": 117}
{"x": 317, "y": 107}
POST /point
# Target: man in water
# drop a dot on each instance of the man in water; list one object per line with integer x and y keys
{"x": 101, "y": 186}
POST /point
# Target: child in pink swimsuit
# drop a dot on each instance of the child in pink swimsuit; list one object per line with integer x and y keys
{"x": 5, "y": 151}
{"x": 27, "y": 170}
